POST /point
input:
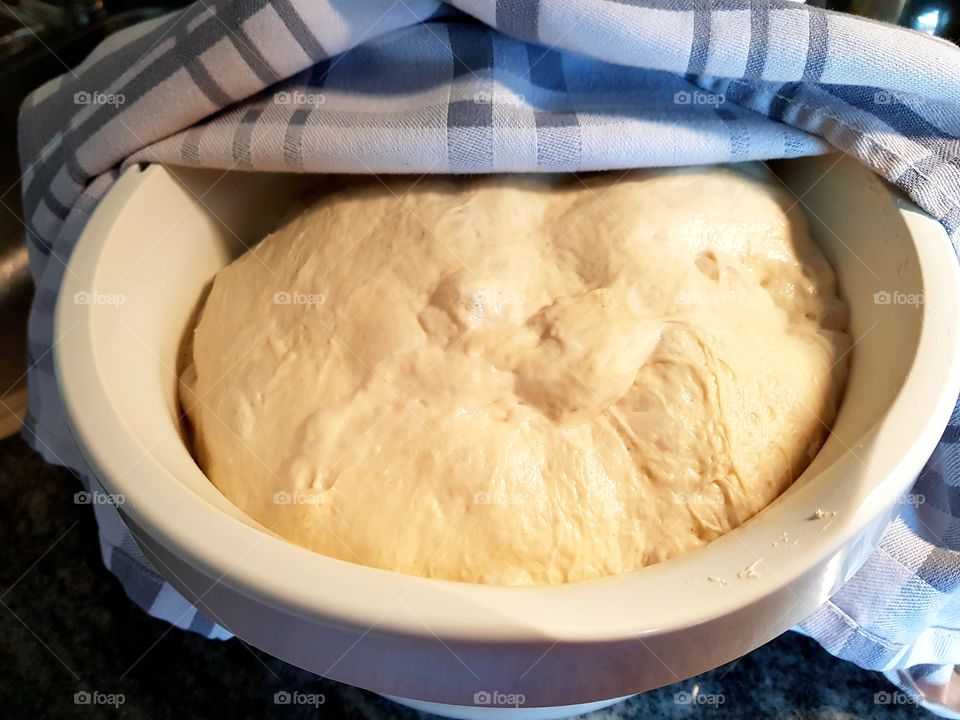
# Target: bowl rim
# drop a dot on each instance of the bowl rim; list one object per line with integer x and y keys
{"x": 170, "y": 513}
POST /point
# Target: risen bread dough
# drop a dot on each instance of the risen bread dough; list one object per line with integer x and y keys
{"x": 520, "y": 380}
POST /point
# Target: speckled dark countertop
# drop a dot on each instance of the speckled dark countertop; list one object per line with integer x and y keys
{"x": 66, "y": 626}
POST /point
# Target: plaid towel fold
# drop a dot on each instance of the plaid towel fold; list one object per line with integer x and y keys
{"x": 416, "y": 86}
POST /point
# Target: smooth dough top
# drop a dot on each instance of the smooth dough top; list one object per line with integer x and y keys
{"x": 520, "y": 380}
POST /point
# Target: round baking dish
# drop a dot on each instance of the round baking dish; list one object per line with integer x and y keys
{"x": 159, "y": 236}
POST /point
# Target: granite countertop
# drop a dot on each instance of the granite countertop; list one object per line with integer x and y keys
{"x": 66, "y": 627}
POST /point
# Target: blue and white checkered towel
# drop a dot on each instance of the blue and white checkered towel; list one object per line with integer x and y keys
{"x": 418, "y": 86}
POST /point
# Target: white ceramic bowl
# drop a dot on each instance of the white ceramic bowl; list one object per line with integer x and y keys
{"x": 156, "y": 240}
